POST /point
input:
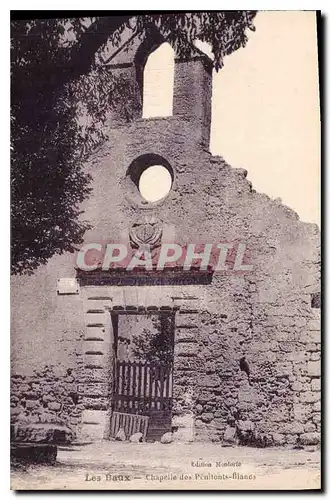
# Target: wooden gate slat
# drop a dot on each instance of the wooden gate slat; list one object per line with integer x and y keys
{"x": 145, "y": 387}
{"x": 130, "y": 424}
{"x": 167, "y": 393}
{"x": 142, "y": 388}
{"x": 123, "y": 384}
{"x": 128, "y": 368}
{"x": 150, "y": 392}
{"x": 139, "y": 386}
{"x": 161, "y": 387}
{"x": 134, "y": 389}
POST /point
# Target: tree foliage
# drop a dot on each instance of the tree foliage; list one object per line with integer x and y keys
{"x": 156, "y": 345}
{"x": 60, "y": 96}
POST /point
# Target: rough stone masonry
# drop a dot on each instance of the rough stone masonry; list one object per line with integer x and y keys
{"x": 62, "y": 344}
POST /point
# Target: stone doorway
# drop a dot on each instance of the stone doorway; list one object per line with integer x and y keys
{"x": 105, "y": 307}
{"x": 143, "y": 347}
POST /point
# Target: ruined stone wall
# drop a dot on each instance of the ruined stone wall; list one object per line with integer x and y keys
{"x": 265, "y": 315}
{"x": 47, "y": 396}
{"x": 280, "y": 403}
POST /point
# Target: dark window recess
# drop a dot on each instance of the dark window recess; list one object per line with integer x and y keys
{"x": 316, "y": 300}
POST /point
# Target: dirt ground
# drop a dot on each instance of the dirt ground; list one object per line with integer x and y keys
{"x": 191, "y": 466}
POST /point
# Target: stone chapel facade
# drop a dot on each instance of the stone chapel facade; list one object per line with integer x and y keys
{"x": 63, "y": 347}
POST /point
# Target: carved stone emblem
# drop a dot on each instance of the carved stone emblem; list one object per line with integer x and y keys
{"x": 145, "y": 233}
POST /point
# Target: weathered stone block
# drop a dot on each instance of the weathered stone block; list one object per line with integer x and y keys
{"x": 313, "y": 347}
{"x": 187, "y": 306}
{"x": 291, "y": 439}
{"x": 296, "y": 386}
{"x": 299, "y": 369}
{"x": 312, "y": 336}
{"x": 209, "y": 381}
{"x": 309, "y": 397}
{"x": 54, "y": 406}
{"x": 95, "y": 333}
{"x": 314, "y": 325}
{"x": 295, "y": 356}
{"x": 198, "y": 409}
{"x": 94, "y": 346}
{"x": 95, "y": 360}
{"x": 24, "y": 388}
{"x": 264, "y": 356}
{"x": 278, "y": 439}
{"x": 316, "y": 384}
{"x": 301, "y": 412}
{"x": 292, "y": 428}
{"x": 97, "y": 305}
{"x": 245, "y": 426}
{"x": 32, "y": 403}
{"x": 186, "y": 363}
{"x": 92, "y": 292}
{"x": 246, "y": 394}
{"x": 310, "y": 438}
{"x": 288, "y": 347}
{"x": 185, "y": 427}
{"x": 97, "y": 417}
{"x": 48, "y": 397}
{"x": 279, "y": 413}
{"x": 167, "y": 438}
{"x": 207, "y": 417}
{"x": 95, "y": 319}
{"x": 264, "y": 346}
{"x": 94, "y": 389}
{"x": 95, "y": 375}
{"x": 186, "y": 349}
{"x": 310, "y": 427}
{"x": 229, "y": 435}
{"x": 42, "y": 433}
{"x": 317, "y": 406}
{"x": 186, "y": 321}
{"x": 314, "y": 368}
{"x": 99, "y": 403}
{"x": 283, "y": 369}
{"x": 186, "y": 334}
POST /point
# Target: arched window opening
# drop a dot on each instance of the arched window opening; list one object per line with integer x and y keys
{"x": 158, "y": 82}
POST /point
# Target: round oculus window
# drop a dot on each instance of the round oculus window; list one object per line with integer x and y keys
{"x": 155, "y": 183}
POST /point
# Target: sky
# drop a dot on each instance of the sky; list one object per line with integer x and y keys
{"x": 265, "y": 108}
